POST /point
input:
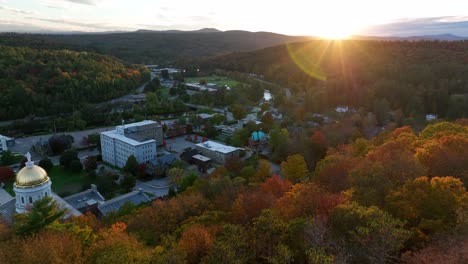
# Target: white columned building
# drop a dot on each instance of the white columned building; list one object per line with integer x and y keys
{"x": 32, "y": 184}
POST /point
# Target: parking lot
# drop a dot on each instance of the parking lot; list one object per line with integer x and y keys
{"x": 178, "y": 144}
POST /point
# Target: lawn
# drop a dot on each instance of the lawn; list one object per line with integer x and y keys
{"x": 62, "y": 181}
{"x": 219, "y": 80}
{"x": 65, "y": 181}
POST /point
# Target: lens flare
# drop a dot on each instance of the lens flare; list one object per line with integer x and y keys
{"x": 308, "y": 62}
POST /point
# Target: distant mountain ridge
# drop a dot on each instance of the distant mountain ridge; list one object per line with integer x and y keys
{"x": 448, "y": 37}
{"x": 154, "y": 47}
{"x": 203, "y": 30}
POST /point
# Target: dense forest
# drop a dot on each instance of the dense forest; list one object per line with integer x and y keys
{"x": 416, "y": 78}
{"x": 152, "y": 47}
{"x": 398, "y": 197}
{"x": 48, "y": 82}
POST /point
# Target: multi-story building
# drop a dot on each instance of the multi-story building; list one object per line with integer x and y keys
{"x": 133, "y": 139}
{"x": 218, "y": 152}
{"x": 146, "y": 129}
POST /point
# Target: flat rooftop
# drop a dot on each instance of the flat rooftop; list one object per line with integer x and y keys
{"x": 215, "y": 146}
{"x": 113, "y": 134}
{"x": 137, "y": 124}
{"x": 201, "y": 158}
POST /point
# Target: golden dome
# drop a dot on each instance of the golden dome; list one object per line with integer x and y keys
{"x": 31, "y": 175}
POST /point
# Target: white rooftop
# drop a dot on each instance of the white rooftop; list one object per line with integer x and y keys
{"x": 215, "y": 146}
{"x": 113, "y": 134}
{"x": 137, "y": 124}
{"x": 430, "y": 117}
{"x": 201, "y": 157}
{"x": 204, "y": 116}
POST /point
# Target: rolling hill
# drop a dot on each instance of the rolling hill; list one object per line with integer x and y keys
{"x": 153, "y": 47}
{"x": 416, "y": 77}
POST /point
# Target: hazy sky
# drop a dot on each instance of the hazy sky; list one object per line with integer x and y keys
{"x": 306, "y": 17}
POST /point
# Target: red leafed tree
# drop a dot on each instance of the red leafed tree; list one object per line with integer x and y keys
{"x": 319, "y": 140}
{"x": 6, "y": 174}
{"x": 141, "y": 171}
{"x": 276, "y": 186}
{"x": 249, "y": 205}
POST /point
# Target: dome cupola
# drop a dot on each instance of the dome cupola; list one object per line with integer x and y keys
{"x": 31, "y": 175}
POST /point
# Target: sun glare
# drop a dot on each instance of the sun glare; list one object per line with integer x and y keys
{"x": 336, "y": 30}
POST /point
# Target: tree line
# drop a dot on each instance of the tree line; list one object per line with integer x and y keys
{"x": 46, "y": 82}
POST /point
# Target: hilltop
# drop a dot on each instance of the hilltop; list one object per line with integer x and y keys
{"x": 153, "y": 47}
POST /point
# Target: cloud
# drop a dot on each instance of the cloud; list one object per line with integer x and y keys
{"x": 72, "y": 23}
{"x": 54, "y": 7}
{"x": 84, "y": 26}
{"x": 15, "y": 10}
{"x": 84, "y": 2}
{"x": 457, "y": 25}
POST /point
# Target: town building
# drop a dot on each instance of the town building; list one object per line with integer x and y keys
{"x": 136, "y": 139}
{"x": 202, "y": 162}
{"x": 144, "y": 130}
{"x": 218, "y": 152}
{"x": 160, "y": 164}
{"x": 134, "y": 197}
{"x": 86, "y": 201}
{"x": 5, "y": 143}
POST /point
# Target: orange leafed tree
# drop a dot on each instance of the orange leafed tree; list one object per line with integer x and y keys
{"x": 196, "y": 241}
{"x": 114, "y": 245}
{"x": 305, "y": 200}
{"x": 50, "y": 247}
{"x": 446, "y": 155}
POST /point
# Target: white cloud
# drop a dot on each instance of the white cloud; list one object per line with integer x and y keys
{"x": 84, "y": 2}
{"x": 15, "y": 10}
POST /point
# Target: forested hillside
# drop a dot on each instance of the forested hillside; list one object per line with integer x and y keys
{"x": 149, "y": 47}
{"x": 398, "y": 197}
{"x": 415, "y": 77}
{"x": 46, "y": 82}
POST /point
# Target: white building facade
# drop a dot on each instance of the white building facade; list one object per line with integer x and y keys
{"x": 218, "y": 152}
{"x": 4, "y": 143}
{"x": 116, "y": 147}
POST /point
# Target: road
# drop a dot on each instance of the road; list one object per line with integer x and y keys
{"x": 23, "y": 145}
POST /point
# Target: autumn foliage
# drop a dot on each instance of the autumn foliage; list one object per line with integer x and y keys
{"x": 398, "y": 197}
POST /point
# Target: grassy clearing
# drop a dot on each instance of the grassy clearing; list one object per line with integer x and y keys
{"x": 65, "y": 181}
{"x": 219, "y": 80}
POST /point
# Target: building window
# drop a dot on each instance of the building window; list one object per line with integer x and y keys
{"x": 30, "y": 199}
{"x": 46, "y": 194}
{"x": 22, "y": 199}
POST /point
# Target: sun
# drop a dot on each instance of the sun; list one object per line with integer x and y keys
{"x": 336, "y": 30}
